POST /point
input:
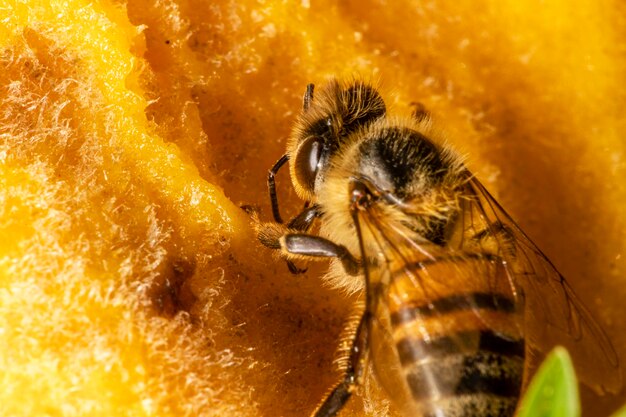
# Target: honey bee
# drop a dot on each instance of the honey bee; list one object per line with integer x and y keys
{"x": 456, "y": 296}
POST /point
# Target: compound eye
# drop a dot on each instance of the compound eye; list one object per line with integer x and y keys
{"x": 307, "y": 161}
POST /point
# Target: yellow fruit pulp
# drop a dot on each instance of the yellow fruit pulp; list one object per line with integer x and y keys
{"x": 130, "y": 134}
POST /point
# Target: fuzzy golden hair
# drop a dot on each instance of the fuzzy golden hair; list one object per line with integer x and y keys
{"x": 340, "y": 104}
{"x": 333, "y": 195}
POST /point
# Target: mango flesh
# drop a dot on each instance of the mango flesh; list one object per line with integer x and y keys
{"x": 130, "y": 134}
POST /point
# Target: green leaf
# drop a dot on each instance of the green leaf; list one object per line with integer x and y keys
{"x": 620, "y": 413}
{"x": 553, "y": 391}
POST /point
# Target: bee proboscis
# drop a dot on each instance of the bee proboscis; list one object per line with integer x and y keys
{"x": 451, "y": 283}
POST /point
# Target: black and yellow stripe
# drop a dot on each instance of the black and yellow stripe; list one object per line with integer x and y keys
{"x": 461, "y": 354}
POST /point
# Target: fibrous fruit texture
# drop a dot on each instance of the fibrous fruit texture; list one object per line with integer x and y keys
{"x": 131, "y": 133}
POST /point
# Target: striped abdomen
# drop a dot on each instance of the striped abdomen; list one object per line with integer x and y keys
{"x": 456, "y": 331}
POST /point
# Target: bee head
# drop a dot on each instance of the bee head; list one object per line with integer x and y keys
{"x": 325, "y": 123}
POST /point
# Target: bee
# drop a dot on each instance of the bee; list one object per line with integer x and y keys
{"x": 456, "y": 296}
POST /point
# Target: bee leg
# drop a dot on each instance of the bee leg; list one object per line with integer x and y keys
{"x": 309, "y": 246}
{"x": 293, "y": 268}
{"x": 295, "y": 245}
{"x": 268, "y": 234}
{"x": 338, "y": 397}
{"x": 271, "y": 185}
{"x": 302, "y": 222}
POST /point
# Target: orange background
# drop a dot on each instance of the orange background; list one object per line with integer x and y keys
{"x": 130, "y": 134}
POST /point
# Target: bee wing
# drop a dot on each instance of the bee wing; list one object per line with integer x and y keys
{"x": 429, "y": 307}
{"x": 554, "y": 315}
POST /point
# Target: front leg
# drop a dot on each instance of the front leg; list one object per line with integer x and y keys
{"x": 302, "y": 223}
{"x": 295, "y": 245}
{"x": 304, "y": 246}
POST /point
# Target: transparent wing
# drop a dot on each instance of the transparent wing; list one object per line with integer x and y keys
{"x": 429, "y": 302}
{"x": 554, "y": 315}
